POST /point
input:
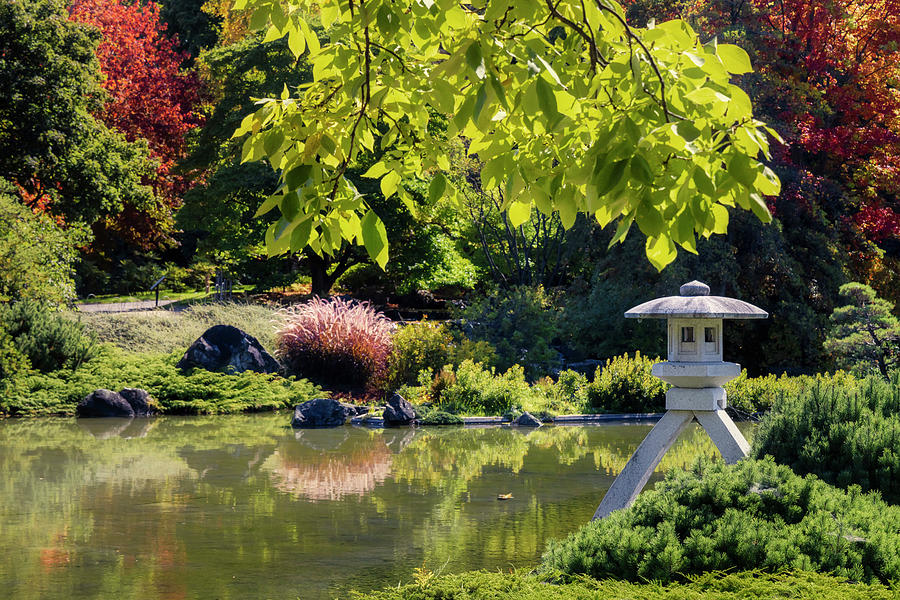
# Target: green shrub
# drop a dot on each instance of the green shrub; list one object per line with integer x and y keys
{"x": 568, "y": 394}
{"x": 37, "y": 256}
{"x": 472, "y": 389}
{"x": 12, "y": 361}
{"x": 752, "y": 515}
{"x": 845, "y": 434}
{"x": 46, "y": 338}
{"x": 760, "y": 394}
{"x": 421, "y": 346}
{"x": 193, "y": 392}
{"x": 430, "y": 416}
{"x": 519, "y": 585}
{"x": 626, "y": 384}
{"x": 520, "y": 323}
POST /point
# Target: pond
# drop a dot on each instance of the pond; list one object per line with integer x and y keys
{"x": 238, "y": 507}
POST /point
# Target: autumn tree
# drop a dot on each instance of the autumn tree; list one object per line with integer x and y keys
{"x": 51, "y": 146}
{"x": 149, "y": 98}
{"x": 569, "y": 108}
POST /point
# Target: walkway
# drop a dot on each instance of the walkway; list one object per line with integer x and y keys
{"x": 122, "y": 306}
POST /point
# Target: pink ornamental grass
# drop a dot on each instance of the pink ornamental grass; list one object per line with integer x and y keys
{"x": 340, "y": 343}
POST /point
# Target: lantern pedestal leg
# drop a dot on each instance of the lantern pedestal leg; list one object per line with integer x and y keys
{"x": 724, "y": 433}
{"x": 629, "y": 483}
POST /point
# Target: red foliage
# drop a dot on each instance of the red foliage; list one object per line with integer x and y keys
{"x": 149, "y": 96}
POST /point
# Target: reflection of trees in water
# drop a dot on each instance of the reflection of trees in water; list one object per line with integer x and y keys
{"x": 113, "y": 514}
{"x": 73, "y": 493}
{"x": 355, "y": 466}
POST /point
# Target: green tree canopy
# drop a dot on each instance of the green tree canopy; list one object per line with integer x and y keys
{"x": 50, "y": 145}
{"x": 864, "y": 334}
{"x": 568, "y": 108}
{"x": 36, "y": 257}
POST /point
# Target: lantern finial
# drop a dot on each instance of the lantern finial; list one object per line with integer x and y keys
{"x": 694, "y": 288}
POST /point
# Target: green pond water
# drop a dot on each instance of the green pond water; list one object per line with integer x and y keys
{"x": 243, "y": 507}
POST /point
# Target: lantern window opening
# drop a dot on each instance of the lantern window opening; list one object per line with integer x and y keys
{"x": 709, "y": 335}
{"x": 687, "y": 334}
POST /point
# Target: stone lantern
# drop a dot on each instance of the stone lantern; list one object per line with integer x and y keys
{"x": 697, "y": 373}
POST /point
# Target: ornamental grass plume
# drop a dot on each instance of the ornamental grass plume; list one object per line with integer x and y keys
{"x": 339, "y": 343}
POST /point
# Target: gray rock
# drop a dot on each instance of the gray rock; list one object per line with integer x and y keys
{"x": 227, "y": 348}
{"x": 322, "y": 412}
{"x": 526, "y": 419}
{"x": 130, "y": 402}
{"x": 398, "y": 412}
{"x": 139, "y": 400}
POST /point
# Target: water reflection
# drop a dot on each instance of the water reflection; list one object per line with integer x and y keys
{"x": 241, "y": 507}
{"x": 330, "y": 465}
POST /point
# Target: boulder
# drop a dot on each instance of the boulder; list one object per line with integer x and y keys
{"x": 322, "y": 412}
{"x": 227, "y": 348}
{"x": 526, "y": 419}
{"x": 398, "y": 411}
{"x": 140, "y": 401}
{"x": 130, "y": 402}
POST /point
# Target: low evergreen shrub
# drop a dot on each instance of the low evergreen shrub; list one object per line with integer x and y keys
{"x": 752, "y": 515}
{"x": 520, "y": 585}
{"x": 336, "y": 342}
{"x": 46, "y": 338}
{"x": 431, "y": 416}
{"x": 193, "y": 392}
{"x": 625, "y": 384}
{"x": 844, "y": 433}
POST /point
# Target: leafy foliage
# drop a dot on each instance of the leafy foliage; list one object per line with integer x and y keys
{"x": 12, "y": 361}
{"x": 195, "y": 392}
{"x": 37, "y": 256}
{"x": 864, "y": 334}
{"x": 847, "y": 435}
{"x": 519, "y": 323}
{"x": 752, "y": 515}
{"x": 423, "y": 345}
{"x": 712, "y": 586}
{"x": 472, "y": 389}
{"x": 47, "y": 339}
{"x": 568, "y": 79}
{"x": 339, "y": 342}
{"x": 148, "y": 98}
{"x": 625, "y": 384}
{"x": 61, "y": 157}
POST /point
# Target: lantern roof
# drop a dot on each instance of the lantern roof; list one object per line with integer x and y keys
{"x": 694, "y": 302}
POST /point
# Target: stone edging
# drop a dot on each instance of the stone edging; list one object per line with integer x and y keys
{"x": 367, "y": 421}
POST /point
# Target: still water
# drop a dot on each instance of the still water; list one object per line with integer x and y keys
{"x": 241, "y": 507}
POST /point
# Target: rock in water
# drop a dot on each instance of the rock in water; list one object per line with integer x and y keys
{"x": 140, "y": 401}
{"x": 526, "y": 419}
{"x": 398, "y": 411}
{"x": 130, "y": 402}
{"x": 322, "y": 412}
{"x": 225, "y": 348}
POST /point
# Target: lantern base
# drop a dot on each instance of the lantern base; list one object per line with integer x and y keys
{"x": 711, "y": 398}
{"x": 629, "y": 483}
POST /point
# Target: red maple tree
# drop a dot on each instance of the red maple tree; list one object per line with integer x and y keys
{"x": 150, "y": 97}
